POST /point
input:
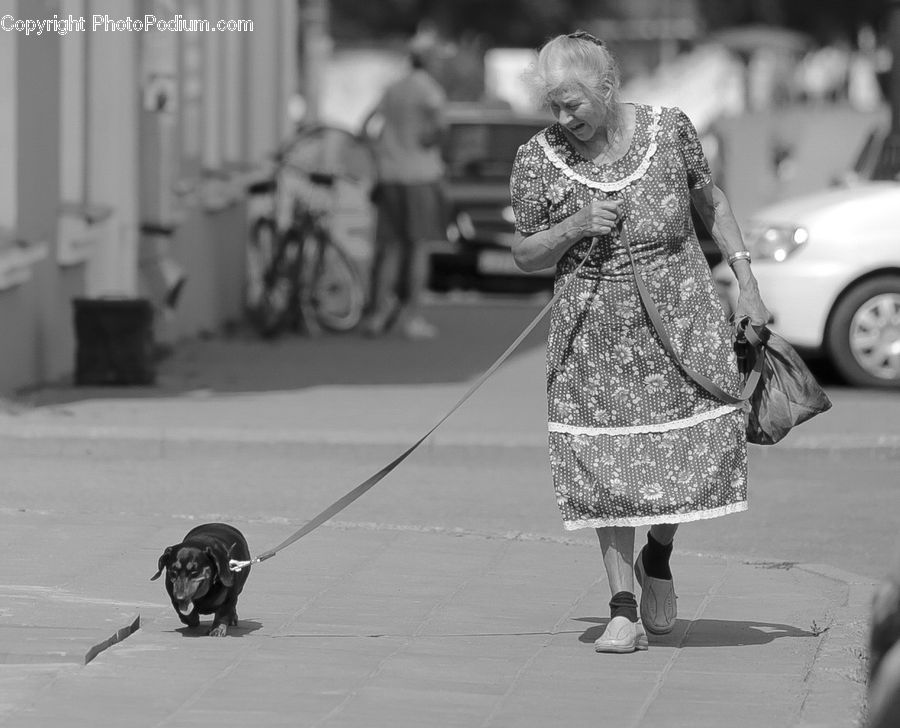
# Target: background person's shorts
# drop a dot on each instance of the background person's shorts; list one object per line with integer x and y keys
{"x": 411, "y": 213}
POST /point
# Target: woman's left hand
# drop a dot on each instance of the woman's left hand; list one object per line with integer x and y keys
{"x": 749, "y": 304}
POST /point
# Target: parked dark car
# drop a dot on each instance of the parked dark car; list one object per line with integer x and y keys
{"x": 478, "y": 150}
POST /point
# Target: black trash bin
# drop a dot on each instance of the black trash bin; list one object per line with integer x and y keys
{"x": 114, "y": 341}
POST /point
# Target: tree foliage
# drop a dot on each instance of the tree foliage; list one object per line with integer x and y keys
{"x": 516, "y": 23}
{"x": 527, "y": 23}
{"x": 825, "y": 20}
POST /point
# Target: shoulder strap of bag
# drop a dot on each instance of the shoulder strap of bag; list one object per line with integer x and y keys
{"x": 703, "y": 381}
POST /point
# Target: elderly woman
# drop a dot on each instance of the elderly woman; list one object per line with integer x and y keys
{"x": 633, "y": 441}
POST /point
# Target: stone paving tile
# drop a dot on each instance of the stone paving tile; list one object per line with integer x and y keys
{"x": 753, "y": 686}
{"x": 375, "y": 709}
{"x": 588, "y": 710}
{"x": 19, "y": 684}
{"x": 262, "y": 717}
{"x": 787, "y": 662}
{"x": 573, "y": 661}
{"x": 741, "y": 713}
{"x": 474, "y": 672}
{"x": 774, "y": 581}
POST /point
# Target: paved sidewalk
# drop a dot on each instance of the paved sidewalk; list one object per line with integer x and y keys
{"x": 396, "y": 627}
{"x": 381, "y": 624}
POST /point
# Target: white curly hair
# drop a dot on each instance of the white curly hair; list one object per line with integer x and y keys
{"x": 577, "y": 61}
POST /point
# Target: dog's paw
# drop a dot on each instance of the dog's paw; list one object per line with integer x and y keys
{"x": 218, "y": 630}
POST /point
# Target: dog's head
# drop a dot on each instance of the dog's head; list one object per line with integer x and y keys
{"x": 192, "y": 571}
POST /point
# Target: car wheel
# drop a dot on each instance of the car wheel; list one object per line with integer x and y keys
{"x": 863, "y": 337}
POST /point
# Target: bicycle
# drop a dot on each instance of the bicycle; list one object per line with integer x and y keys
{"x": 299, "y": 276}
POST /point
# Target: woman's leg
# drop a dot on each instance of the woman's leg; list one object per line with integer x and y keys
{"x": 617, "y": 545}
{"x": 427, "y": 227}
{"x": 623, "y": 633}
{"x": 656, "y": 553}
{"x": 664, "y": 532}
{"x": 658, "y": 606}
{"x": 385, "y": 274}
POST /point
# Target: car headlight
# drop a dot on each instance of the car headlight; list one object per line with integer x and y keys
{"x": 776, "y": 242}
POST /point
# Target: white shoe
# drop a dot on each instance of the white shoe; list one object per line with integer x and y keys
{"x": 658, "y": 605}
{"x": 621, "y": 636}
{"x": 418, "y": 329}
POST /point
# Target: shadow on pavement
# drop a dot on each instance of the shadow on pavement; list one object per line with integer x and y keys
{"x": 709, "y": 633}
{"x": 471, "y": 338}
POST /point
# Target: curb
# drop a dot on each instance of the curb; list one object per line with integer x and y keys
{"x": 60, "y": 651}
{"x": 40, "y": 438}
{"x": 838, "y": 676}
{"x": 148, "y": 442}
{"x": 119, "y": 635}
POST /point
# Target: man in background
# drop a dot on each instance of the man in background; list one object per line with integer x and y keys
{"x": 409, "y": 194}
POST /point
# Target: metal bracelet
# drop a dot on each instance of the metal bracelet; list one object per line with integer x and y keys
{"x": 740, "y": 255}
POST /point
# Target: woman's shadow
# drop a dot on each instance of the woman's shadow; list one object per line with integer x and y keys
{"x": 709, "y": 632}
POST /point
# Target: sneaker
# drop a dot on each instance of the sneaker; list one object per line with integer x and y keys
{"x": 622, "y": 636}
{"x": 658, "y": 605}
{"x": 418, "y": 329}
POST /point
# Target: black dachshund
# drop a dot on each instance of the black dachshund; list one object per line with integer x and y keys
{"x": 198, "y": 578}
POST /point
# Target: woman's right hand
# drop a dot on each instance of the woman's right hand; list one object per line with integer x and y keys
{"x": 546, "y": 247}
{"x": 598, "y": 217}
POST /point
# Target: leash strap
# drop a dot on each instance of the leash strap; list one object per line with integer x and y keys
{"x": 702, "y": 380}
{"x": 372, "y": 480}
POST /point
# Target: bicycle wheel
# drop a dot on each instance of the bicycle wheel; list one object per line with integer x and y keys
{"x": 336, "y": 289}
{"x": 274, "y": 309}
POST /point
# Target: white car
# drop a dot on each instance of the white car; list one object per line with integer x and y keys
{"x": 828, "y": 266}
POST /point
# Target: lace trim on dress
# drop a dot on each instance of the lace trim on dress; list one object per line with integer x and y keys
{"x": 640, "y": 171}
{"x": 661, "y": 518}
{"x": 643, "y": 429}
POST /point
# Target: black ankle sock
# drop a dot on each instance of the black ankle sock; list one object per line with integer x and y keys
{"x": 623, "y": 604}
{"x": 656, "y": 558}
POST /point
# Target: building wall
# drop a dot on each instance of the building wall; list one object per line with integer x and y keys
{"x": 769, "y": 156}
{"x": 108, "y": 188}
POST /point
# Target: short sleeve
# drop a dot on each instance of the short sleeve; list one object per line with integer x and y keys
{"x": 526, "y": 191}
{"x": 691, "y": 150}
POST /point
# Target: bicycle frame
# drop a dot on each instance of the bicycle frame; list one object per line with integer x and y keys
{"x": 310, "y": 281}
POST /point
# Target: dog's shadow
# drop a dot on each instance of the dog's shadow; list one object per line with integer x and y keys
{"x": 708, "y": 632}
{"x": 244, "y": 627}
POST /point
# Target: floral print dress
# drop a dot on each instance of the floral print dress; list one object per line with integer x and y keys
{"x": 633, "y": 441}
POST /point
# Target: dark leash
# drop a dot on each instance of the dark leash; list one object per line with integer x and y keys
{"x": 345, "y": 500}
{"x": 743, "y": 327}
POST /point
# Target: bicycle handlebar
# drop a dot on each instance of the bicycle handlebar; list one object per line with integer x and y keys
{"x": 327, "y": 153}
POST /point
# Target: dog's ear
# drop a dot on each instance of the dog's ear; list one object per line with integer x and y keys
{"x": 164, "y": 561}
{"x": 219, "y": 556}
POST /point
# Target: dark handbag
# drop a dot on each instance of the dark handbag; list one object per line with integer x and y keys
{"x": 787, "y": 394}
{"x": 779, "y": 390}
